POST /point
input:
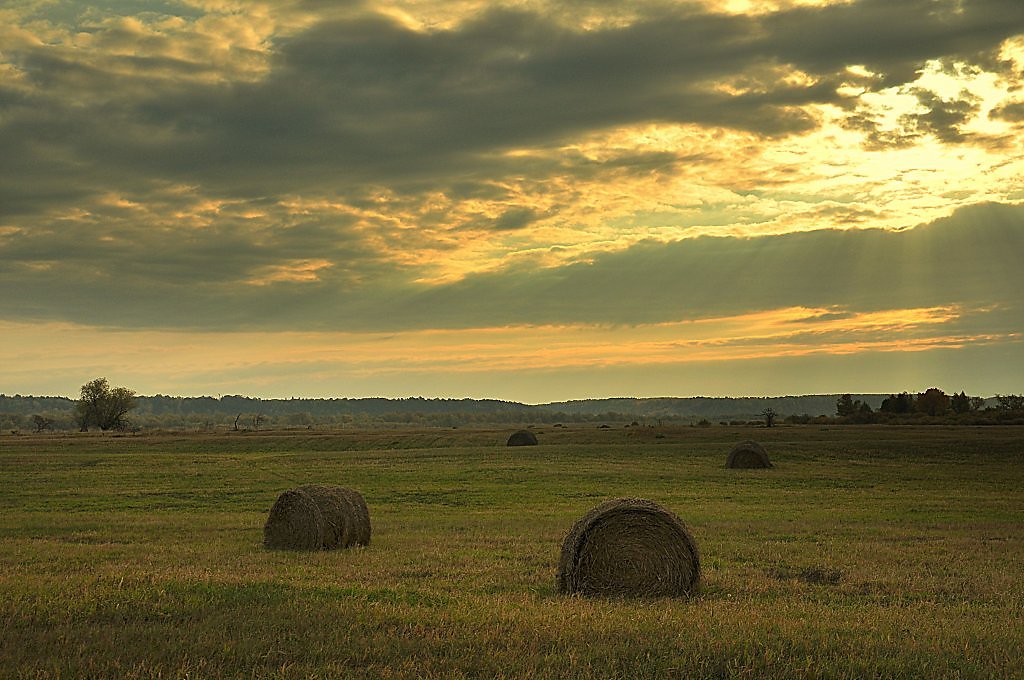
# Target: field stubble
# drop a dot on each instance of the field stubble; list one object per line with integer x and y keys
{"x": 864, "y": 552}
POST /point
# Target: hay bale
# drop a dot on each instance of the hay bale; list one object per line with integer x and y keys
{"x": 522, "y": 438}
{"x": 748, "y": 454}
{"x": 295, "y": 523}
{"x": 629, "y": 547}
{"x": 317, "y": 516}
{"x": 360, "y": 517}
{"x": 337, "y": 512}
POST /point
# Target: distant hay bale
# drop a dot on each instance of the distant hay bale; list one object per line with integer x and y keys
{"x": 315, "y": 517}
{"x": 629, "y": 547}
{"x": 522, "y": 438}
{"x": 748, "y": 454}
{"x": 295, "y": 523}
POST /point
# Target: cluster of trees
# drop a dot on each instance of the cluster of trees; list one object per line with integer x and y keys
{"x": 933, "y": 402}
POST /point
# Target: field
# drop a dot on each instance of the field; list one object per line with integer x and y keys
{"x": 866, "y": 552}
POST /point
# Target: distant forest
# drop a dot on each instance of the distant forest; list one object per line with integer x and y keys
{"x": 25, "y": 413}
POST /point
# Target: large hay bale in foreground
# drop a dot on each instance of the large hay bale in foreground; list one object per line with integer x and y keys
{"x": 629, "y": 547}
{"x": 360, "y": 527}
{"x": 748, "y": 454}
{"x": 295, "y": 523}
{"x": 522, "y": 438}
{"x": 317, "y": 516}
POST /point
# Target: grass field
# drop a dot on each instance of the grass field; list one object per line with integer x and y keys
{"x": 866, "y": 552}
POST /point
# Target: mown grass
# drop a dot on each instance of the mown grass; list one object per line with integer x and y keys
{"x": 866, "y": 552}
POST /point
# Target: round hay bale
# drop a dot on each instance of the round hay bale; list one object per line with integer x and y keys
{"x": 360, "y": 516}
{"x": 748, "y": 454}
{"x": 629, "y": 547}
{"x": 338, "y": 515}
{"x": 295, "y": 523}
{"x": 522, "y": 438}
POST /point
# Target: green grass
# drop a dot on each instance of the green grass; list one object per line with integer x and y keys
{"x": 874, "y": 552}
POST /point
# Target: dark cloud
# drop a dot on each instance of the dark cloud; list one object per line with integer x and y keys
{"x": 515, "y": 218}
{"x": 1012, "y": 112}
{"x": 367, "y": 100}
{"x": 969, "y": 259}
{"x": 892, "y": 39}
{"x": 944, "y": 118}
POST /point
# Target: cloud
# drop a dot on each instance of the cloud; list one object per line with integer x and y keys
{"x": 500, "y": 166}
{"x": 969, "y": 259}
{"x": 362, "y": 99}
{"x": 1012, "y": 112}
{"x": 963, "y": 258}
{"x": 368, "y": 99}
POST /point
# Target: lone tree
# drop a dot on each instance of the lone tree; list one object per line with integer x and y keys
{"x": 104, "y": 407}
{"x": 41, "y": 423}
{"x": 769, "y": 416}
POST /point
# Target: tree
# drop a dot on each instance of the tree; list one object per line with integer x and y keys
{"x": 932, "y": 401}
{"x": 845, "y": 406}
{"x": 898, "y": 403}
{"x": 41, "y": 423}
{"x": 769, "y": 415}
{"x": 104, "y": 407}
{"x": 960, "y": 403}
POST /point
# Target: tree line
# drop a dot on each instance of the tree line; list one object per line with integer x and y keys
{"x": 108, "y": 408}
{"x": 103, "y": 407}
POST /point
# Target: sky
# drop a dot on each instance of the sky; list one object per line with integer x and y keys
{"x": 531, "y": 200}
